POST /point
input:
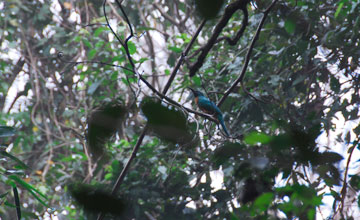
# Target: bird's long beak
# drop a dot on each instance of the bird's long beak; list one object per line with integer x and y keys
{"x": 191, "y": 96}
{"x": 192, "y": 90}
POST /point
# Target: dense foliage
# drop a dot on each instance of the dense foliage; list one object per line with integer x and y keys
{"x": 76, "y": 100}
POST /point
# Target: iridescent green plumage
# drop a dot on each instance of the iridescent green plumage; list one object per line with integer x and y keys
{"x": 209, "y": 107}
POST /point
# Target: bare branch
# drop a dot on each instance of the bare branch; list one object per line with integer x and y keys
{"x": 149, "y": 41}
{"x": 345, "y": 184}
{"x": 184, "y": 54}
{"x": 93, "y": 62}
{"x": 108, "y": 24}
{"x": 167, "y": 16}
{"x": 248, "y": 54}
{"x": 229, "y": 11}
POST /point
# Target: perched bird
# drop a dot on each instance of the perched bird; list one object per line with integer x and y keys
{"x": 209, "y": 107}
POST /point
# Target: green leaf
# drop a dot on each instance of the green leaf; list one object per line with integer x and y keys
{"x": 3, "y": 195}
{"x": 6, "y": 154}
{"x": 357, "y": 130}
{"x": 30, "y": 188}
{"x": 196, "y": 80}
{"x": 171, "y": 59}
{"x": 92, "y": 54}
{"x": 87, "y": 43}
{"x": 347, "y": 137}
{"x": 91, "y": 90}
{"x": 80, "y": 66}
{"x": 108, "y": 176}
{"x": 170, "y": 124}
{"x": 290, "y": 26}
{"x": 334, "y": 84}
{"x": 338, "y": 10}
{"x": 186, "y": 38}
{"x": 329, "y": 157}
{"x": 17, "y": 202}
{"x": 114, "y": 76}
{"x": 6, "y": 131}
{"x": 175, "y": 49}
{"x": 99, "y": 30}
{"x": 77, "y": 38}
{"x": 123, "y": 79}
{"x": 98, "y": 20}
{"x": 311, "y": 214}
{"x": 263, "y": 201}
{"x": 8, "y": 204}
{"x": 128, "y": 71}
{"x": 142, "y": 29}
{"x": 99, "y": 44}
{"x": 131, "y": 47}
{"x": 233, "y": 216}
{"x": 257, "y": 137}
{"x": 120, "y": 58}
{"x": 355, "y": 182}
{"x": 142, "y": 60}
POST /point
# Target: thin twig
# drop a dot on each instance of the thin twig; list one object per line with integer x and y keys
{"x": 344, "y": 188}
{"x": 150, "y": 45}
{"x": 109, "y": 26}
{"x": 167, "y": 16}
{"x": 92, "y": 62}
{"x": 127, "y": 166}
{"x": 183, "y": 55}
{"x": 247, "y": 58}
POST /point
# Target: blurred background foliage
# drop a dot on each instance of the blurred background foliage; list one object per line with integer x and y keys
{"x": 295, "y": 141}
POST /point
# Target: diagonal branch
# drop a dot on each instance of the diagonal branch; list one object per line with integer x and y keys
{"x": 248, "y": 54}
{"x": 167, "y": 16}
{"x": 229, "y": 11}
{"x": 183, "y": 55}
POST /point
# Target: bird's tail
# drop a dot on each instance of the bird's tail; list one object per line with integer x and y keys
{"x": 221, "y": 120}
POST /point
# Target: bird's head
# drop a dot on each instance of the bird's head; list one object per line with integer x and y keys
{"x": 196, "y": 93}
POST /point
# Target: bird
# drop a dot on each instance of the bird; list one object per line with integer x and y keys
{"x": 209, "y": 107}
